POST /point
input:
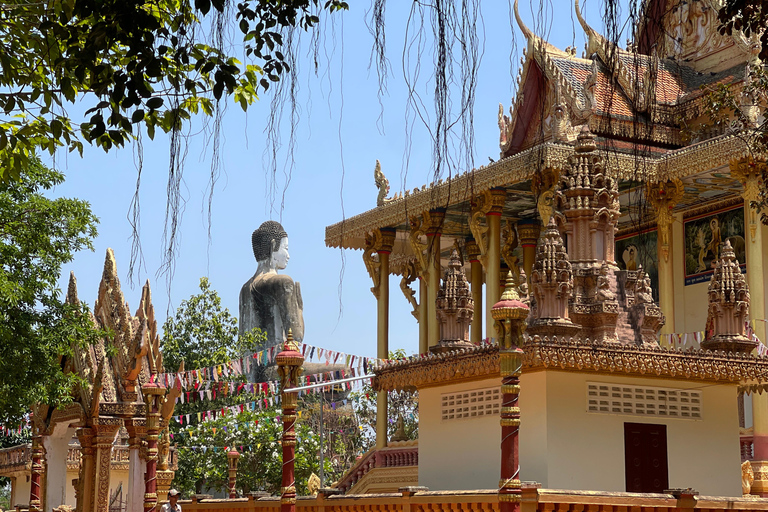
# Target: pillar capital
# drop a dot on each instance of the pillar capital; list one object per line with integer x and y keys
{"x": 387, "y": 239}
{"x": 750, "y": 173}
{"x": 473, "y": 250}
{"x": 498, "y": 196}
{"x": 433, "y": 220}
{"x": 528, "y": 230}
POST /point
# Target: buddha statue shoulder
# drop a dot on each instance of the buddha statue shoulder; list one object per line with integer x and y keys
{"x": 271, "y": 301}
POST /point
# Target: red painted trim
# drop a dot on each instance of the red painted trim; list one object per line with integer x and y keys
{"x": 496, "y": 214}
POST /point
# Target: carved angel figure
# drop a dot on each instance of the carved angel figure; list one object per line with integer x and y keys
{"x": 604, "y": 285}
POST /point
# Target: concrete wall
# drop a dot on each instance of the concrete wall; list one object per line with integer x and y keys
{"x": 586, "y": 449}
{"x": 564, "y": 447}
{"x": 457, "y": 454}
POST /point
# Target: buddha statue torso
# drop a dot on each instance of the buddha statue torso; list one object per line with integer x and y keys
{"x": 271, "y": 301}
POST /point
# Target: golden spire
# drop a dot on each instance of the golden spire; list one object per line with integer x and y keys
{"x": 510, "y": 288}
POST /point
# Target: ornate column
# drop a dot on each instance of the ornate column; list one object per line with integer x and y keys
{"x": 509, "y": 315}
{"x": 38, "y": 469}
{"x": 86, "y": 480}
{"x": 105, "y": 435}
{"x": 153, "y": 395}
{"x": 289, "y": 363}
{"x": 476, "y": 276}
{"x": 492, "y": 270}
{"x": 380, "y": 241}
{"x": 528, "y": 230}
{"x": 434, "y": 230}
{"x": 750, "y": 174}
{"x": 664, "y": 197}
{"x": 232, "y": 457}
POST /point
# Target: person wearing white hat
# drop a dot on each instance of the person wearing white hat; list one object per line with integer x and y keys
{"x": 172, "y": 505}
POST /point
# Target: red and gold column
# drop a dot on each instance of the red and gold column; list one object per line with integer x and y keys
{"x": 38, "y": 468}
{"x": 232, "y": 457}
{"x": 153, "y": 396}
{"x": 509, "y": 320}
{"x": 289, "y": 363}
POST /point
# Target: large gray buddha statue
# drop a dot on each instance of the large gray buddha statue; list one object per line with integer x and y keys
{"x": 271, "y": 301}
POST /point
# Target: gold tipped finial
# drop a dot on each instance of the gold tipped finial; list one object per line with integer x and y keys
{"x": 510, "y": 288}
{"x": 290, "y": 344}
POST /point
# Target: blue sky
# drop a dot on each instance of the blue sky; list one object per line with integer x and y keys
{"x": 338, "y": 135}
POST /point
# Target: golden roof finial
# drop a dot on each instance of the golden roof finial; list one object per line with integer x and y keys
{"x": 290, "y": 344}
{"x": 510, "y": 288}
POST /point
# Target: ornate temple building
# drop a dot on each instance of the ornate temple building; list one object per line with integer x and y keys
{"x": 109, "y": 450}
{"x": 620, "y": 214}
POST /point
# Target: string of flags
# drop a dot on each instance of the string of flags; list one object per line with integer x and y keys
{"x": 692, "y": 340}
{"x": 264, "y": 394}
{"x": 191, "y": 379}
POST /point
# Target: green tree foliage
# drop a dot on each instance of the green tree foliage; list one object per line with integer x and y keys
{"x": 202, "y": 451}
{"x": 202, "y": 333}
{"x": 136, "y": 63}
{"x": 405, "y": 404}
{"x": 38, "y": 235}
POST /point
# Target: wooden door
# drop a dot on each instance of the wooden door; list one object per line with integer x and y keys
{"x": 645, "y": 457}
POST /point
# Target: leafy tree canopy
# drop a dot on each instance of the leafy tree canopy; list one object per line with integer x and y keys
{"x": 37, "y": 236}
{"x": 202, "y": 333}
{"x": 151, "y": 64}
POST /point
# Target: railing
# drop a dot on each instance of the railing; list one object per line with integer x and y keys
{"x": 534, "y": 499}
{"x": 15, "y": 457}
{"x": 745, "y": 443}
{"x": 393, "y": 456}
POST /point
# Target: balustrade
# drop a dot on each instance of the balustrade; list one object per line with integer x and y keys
{"x": 391, "y": 457}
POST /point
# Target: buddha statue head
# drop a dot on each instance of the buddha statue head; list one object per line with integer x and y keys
{"x": 270, "y": 246}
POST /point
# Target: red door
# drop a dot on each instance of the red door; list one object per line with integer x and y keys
{"x": 645, "y": 457}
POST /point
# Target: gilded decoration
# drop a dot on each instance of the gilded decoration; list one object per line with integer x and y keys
{"x": 577, "y": 355}
{"x": 373, "y": 243}
{"x": 479, "y": 226}
{"x": 664, "y": 196}
{"x": 511, "y": 241}
{"x": 751, "y": 175}
{"x": 419, "y": 247}
{"x": 410, "y": 275}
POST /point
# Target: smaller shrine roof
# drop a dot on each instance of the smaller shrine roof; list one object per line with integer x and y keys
{"x": 575, "y": 355}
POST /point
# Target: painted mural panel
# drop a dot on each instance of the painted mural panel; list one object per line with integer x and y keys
{"x": 703, "y": 238}
{"x": 640, "y": 249}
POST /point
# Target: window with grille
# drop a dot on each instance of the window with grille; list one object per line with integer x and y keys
{"x": 470, "y": 404}
{"x": 643, "y": 401}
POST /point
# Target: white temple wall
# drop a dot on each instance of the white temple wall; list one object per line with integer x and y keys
{"x": 462, "y": 453}
{"x": 586, "y": 450}
{"x": 562, "y": 446}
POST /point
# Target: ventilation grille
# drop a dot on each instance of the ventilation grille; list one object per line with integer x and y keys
{"x": 471, "y": 404}
{"x": 643, "y": 401}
